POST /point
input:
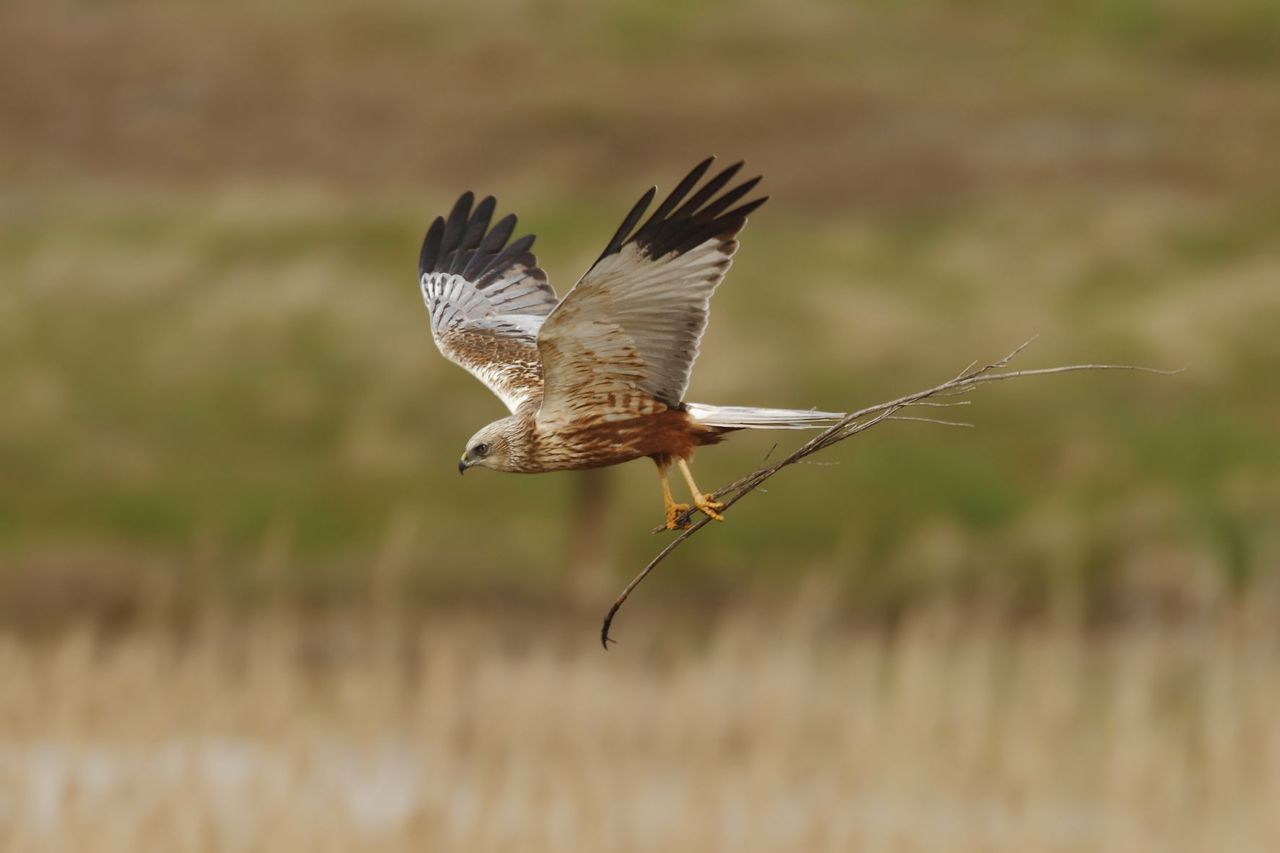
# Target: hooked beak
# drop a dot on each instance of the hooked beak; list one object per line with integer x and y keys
{"x": 462, "y": 465}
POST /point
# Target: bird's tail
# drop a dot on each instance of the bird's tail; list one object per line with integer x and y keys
{"x": 750, "y": 417}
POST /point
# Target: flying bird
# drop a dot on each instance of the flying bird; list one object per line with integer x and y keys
{"x": 599, "y": 377}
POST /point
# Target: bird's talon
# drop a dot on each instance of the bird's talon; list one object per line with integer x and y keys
{"x": 709, "y": 507}
{"x": 674, "y": 511}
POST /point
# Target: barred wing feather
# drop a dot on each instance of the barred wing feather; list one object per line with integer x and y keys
{"x": 487, "y": 298}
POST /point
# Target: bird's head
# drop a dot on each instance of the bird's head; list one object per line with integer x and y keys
{"x": 497, "y": 446}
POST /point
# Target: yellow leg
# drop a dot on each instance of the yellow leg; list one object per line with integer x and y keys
{"x": 674, "y": 509}
{"x": 701, "y": 500}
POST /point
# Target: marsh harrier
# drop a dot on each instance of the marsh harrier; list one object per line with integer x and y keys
{"x": 598, "y": 377}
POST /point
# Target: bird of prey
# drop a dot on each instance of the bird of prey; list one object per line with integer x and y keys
{"x": 599, "y": 377}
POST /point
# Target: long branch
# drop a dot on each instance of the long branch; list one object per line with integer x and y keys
{"x": 849, "y": 426}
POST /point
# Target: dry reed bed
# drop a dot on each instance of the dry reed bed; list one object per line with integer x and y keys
{"x": 946, "y": 734}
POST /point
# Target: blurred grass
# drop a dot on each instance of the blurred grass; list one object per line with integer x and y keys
{"x": 212, "y": 350}
{"x": 460, "y": 732}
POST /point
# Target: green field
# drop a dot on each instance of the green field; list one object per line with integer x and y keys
{"x": 213, "y": 352}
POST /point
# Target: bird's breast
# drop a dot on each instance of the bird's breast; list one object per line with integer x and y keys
{"x": 596, "y": 442}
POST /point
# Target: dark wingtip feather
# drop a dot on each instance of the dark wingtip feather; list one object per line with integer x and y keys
{"x": 489, "y": 247}
{"x": 686, "y": 218}
{"x": 430, "y": 252}
{"x": 516, "y": 253}
{"x": 620, "y": 236}
{"x": 708, "y": 190}
{"x": 464, "y": 244}
{"x": 459, "y": 213}
{"x": 477, "y": 225}
{"x": 727, "y": 200}
{"x": 725, "y": 226}
{"x": 677, "y": 195}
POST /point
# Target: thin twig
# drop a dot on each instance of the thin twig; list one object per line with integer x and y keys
{"x": 849, "y": 426}
{"x": 937, "y": 421}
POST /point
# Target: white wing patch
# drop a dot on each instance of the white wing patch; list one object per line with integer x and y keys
{"x": 487, "y": 299}
{"x": 500, "y": 351}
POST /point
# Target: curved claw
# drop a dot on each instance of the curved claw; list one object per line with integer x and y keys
{"x": 674, "y": 511}
{"x": 709, "y": 507}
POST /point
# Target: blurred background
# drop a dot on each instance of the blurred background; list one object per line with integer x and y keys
{"x": 246, "y": 603}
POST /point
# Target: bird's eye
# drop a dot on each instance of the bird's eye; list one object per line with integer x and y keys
{"x": 481, "y": 449}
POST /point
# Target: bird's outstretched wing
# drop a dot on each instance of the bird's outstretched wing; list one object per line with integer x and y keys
{"x": 628, "y": 332}
{"x": 487, "y": 298}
